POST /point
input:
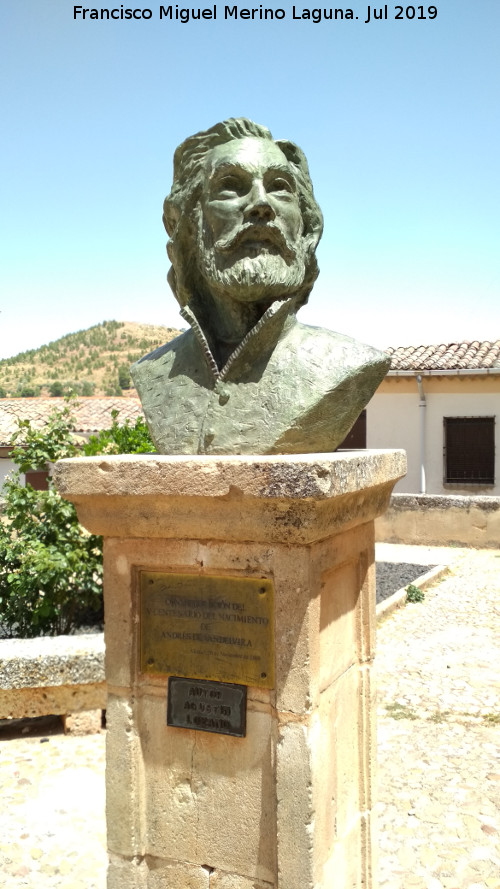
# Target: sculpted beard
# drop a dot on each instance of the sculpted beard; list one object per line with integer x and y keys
{"x": 276, "y": 270}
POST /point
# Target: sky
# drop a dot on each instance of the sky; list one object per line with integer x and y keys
{"x": 399, "y": 120}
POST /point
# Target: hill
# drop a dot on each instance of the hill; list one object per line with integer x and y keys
{"x": 95, "y": 361}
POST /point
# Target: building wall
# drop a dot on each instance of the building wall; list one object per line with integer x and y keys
{"x": 393, "y": 421}
{"x": 6, "y": 466}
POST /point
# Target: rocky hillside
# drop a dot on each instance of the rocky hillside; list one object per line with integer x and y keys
{"x": 90, "y": 362}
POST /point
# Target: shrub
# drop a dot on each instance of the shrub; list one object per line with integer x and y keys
{"x": 50, "y": 567}
{"x": 126, "y": 439}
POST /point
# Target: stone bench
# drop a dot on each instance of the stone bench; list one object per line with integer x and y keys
{"x": 54, "y": 675}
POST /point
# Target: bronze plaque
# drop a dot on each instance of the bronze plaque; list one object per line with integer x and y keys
{"x": 207, "y": 706}
{"x": 207, "y": 627}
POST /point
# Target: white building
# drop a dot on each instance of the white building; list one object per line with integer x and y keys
{"x": 440, "y": 404}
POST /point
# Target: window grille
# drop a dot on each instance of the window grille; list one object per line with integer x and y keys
{"x": 469, "y": 450}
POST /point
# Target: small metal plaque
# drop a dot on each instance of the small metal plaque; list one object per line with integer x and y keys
{"x": 219, "y": 707}
{"x": 203, "y": 627}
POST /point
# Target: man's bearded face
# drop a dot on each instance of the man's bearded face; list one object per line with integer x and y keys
{"x": 250, "y": 245}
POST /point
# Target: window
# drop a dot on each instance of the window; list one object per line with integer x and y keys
{"x": 356, "y": 438}
{"x": 38, "y": 479}
{"x": 469, "y": 450}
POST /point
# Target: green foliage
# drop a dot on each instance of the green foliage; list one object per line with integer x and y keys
{"x": 3, "y": 392}
{"x": 56, "y": 389}
{"x": 124, "y": 379}
{"x": 73, "y": 387}
{"x": 50, "y": 567}
{"x": 400, "y": 711}
{"x": 414, "y": 594}
{"x": 36, "y": 448}
{"x": 125, "y": 439}
{"x": 439, "y": 716}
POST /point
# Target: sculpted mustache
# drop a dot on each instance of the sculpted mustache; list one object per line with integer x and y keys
{"x": 270, "y": 233}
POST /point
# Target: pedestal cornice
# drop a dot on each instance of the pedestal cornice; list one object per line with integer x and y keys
{"x": 295, "y": 499}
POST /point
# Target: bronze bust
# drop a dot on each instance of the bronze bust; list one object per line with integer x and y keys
{"x": 248, "y": 378}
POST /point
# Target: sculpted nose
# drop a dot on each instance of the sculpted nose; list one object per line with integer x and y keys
{"x": 258, "y": 207}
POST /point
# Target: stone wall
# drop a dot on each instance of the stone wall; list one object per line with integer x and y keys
{"x": 441, "y": 520}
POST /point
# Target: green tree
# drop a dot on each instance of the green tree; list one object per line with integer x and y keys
{"x": 56, "y": 389}
{"x": 3, "y": 392}
{"x": 124, "y": 380}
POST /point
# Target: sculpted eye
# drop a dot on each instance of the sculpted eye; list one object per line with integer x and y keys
{"x": 229, "y": 186}
{"x": 280, "y": 184}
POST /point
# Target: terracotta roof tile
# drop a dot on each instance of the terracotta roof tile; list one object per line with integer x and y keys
{"x": 446, "y": 356}
{"x": 91, "y": 414}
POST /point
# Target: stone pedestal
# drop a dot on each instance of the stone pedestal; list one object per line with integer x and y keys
{"x": 288, "y": 806}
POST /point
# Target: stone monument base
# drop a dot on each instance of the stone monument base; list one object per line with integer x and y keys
{"x": 289, "y": 804}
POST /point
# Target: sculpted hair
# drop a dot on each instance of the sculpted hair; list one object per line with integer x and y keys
{"x": 181, "y": 206}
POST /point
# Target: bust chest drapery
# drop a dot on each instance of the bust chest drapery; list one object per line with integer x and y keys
{"x": 287, "y": 388}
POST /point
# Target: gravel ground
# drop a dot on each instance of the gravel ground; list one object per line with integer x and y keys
{"x": 393, "y": 576}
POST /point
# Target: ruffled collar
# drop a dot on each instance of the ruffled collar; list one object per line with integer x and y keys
{"x": 262, "y": 338}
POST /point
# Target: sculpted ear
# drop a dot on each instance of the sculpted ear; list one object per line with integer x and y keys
{"x": 170, "y": 217}
{"x": 172, "y": 280}
{"x": 311, "y": 213}
{"x": 293, "y": 153}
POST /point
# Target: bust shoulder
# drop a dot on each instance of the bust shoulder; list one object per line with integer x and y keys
{"x": 170, "y": 348}
{"x": 181, "y": 349}
{"x": 329, "y": 353}
{"x": 335, "y": 343}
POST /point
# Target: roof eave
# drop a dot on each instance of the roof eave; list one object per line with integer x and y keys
{"x": 458, "y": 372}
